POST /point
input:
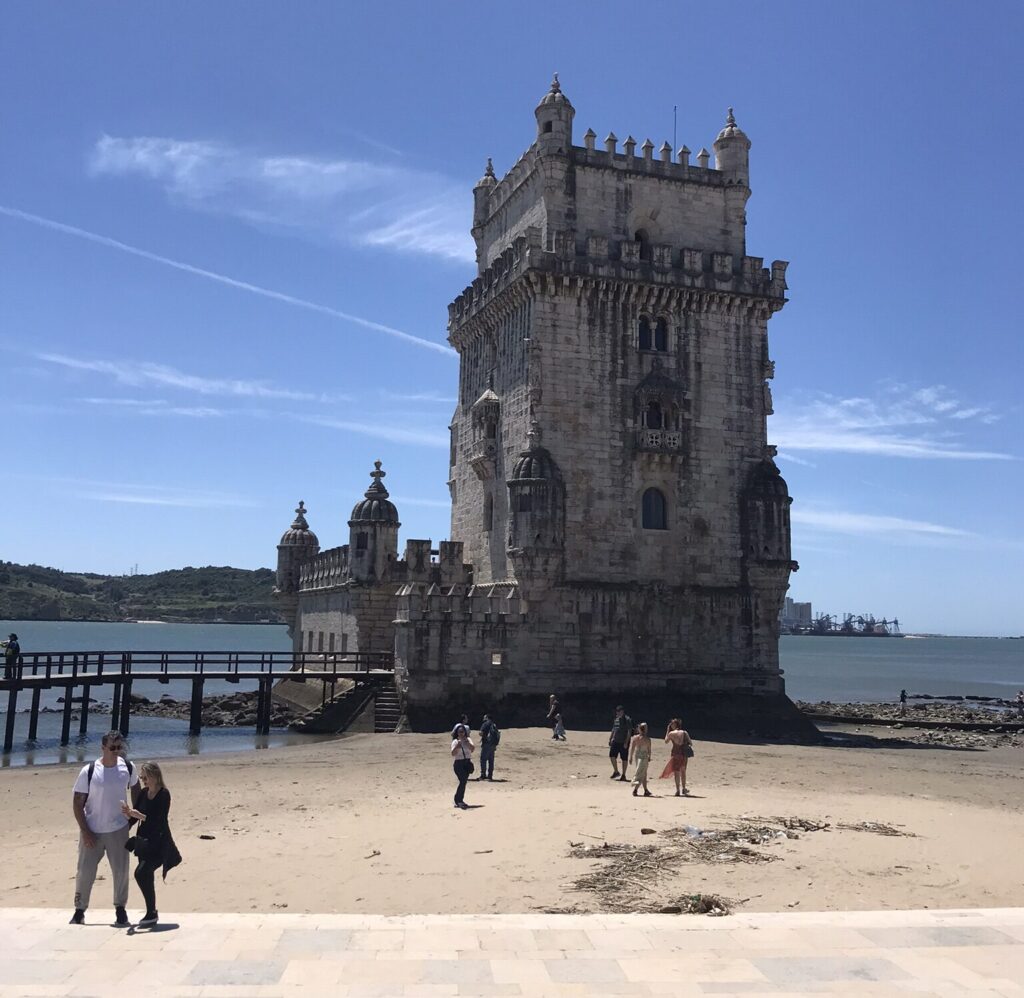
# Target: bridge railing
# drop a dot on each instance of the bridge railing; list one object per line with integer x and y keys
{"x": 98, "y": 665}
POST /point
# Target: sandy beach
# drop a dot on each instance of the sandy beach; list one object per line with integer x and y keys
{"x": 365, "y": 824}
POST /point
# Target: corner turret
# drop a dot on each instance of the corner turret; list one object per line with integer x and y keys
{"x": 732, "y": 152}
{"x": 536, "y": 532}
{"x": 373, "y": 531}
{"x": 299, "y": 545}
{"x": 554, "y": 120}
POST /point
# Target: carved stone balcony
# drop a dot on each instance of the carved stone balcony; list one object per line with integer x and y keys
{"x": 482, "y": 457}
{"x": 659, "y": 441}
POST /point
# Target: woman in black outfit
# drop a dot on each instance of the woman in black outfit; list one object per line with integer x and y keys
{"x": 153, "y": 842}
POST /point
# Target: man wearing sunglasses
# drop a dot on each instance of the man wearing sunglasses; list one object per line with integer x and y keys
{"x": 99, "y": 790}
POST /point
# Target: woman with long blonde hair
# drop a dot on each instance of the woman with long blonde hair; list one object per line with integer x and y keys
{"x": 153, "y": 844}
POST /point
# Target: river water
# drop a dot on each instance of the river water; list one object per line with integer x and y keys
{"x": 816, "y": 668}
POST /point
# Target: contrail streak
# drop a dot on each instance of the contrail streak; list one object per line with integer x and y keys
{"x": 71, "y": 230}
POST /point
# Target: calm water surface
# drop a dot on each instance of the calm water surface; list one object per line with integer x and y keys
{"x": 816, "y": 668}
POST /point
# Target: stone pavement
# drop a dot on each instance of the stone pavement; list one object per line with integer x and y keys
{"x": 969, "y": 952}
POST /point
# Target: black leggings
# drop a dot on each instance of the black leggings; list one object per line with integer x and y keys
{"x": 461, "y": 767}
{"x": 145, "y": 874}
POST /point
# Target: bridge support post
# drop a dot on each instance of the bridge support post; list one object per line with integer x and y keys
{"x": 263, "y": 708}
{"x": 115, "y": 708}
{"x": 126, "y": 707}
{"x": 65, "y": 723}
{"x": 195, "y": 723}
{"x": 83, "y": 724}
{"x": 33, "y": 717}
{"x": 12, "y": 706}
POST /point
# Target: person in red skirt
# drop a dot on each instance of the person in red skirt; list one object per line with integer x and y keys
{"x": 682, "y": 750}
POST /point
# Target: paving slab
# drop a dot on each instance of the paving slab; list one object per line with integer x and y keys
{"x": 941, "y": 954}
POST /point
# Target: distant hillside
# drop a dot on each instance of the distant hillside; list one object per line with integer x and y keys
{"x": 31, "y": 592}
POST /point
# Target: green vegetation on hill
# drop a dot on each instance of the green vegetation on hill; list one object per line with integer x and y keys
{"x": 31, "y": 592}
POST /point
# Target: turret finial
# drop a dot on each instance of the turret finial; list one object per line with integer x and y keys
{"x": 489, "y": 172}
{"x": 730, "y": 119}
{"x": 376, "y": 489}
{"x": 556, "y": 87}
{"x": 533, "y": 435}
{"x": 299, "y": 523}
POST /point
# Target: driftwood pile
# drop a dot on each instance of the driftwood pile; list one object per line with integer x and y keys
{"x": 626, "y": 881}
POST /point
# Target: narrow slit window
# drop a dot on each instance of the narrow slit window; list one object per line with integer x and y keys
{"x": 644, "y": 337}
{"x": 661, "y": 335}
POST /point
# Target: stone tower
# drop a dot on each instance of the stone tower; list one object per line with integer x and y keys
{"x": 620, "y": 531}
{"x": 617, "y": 318}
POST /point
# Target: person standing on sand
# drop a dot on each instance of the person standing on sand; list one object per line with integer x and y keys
{"x": 618, "y": 742}
{"x": 464, "y": 723}
{"x": 99, "y": 791}
{"x": 903, "y": 703}
{"x": 462, "y": 763}
{"x": 553, "y": 711}
{"x": 153, "y": 844}
{"x": 1020, "y": 703}
{"x": 640, "y": 753}
{"x": 682, "y": 749}
{"x": 490, "y": 736}
{"x": 559, "y": 728}
{"x": 12, "y": 650}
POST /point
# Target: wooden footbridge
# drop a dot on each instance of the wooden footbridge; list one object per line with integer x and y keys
{"x": 78, "y": 674}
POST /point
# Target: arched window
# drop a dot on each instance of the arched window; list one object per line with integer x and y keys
{"x": 661, "y": 335}
{"x": 644, "y": 240}
{"x": 655, "y": 513}
{"x": 655, "y": 420}
{"x": 644, "y": 333}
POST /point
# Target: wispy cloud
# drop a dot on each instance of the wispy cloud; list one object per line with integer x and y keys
{"x": 93, "y": 237}
{"x": 861, "y": 524}
{"x": 351, "y": 200}
{"x": 419, "y": 397}
{"x": 431, "y": 503}
{"x": 382, "y": 431}
{"x": 140, "y": 373}
{"x": 898, "y": 422}
{"x": 143, "y": 494}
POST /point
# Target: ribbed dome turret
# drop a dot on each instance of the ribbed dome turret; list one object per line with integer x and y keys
{"x": 488, "y": 179}
{"x": 375, "y": 507}
{"x": 732, "y": 130}
{"x": 555, "y": 95}
{"x": 535, "y": 464}
{"x": 299, "y": 534}
{"x": 766, "y": 481}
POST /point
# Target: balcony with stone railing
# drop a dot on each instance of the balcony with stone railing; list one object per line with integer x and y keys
{"x": 659, "y": 441}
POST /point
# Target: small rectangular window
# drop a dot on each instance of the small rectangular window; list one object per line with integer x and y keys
{"x": 497, "y": 658}
{"x": 320, "y": 641}
{"x": 361, "y": 542}
{"x": 330, "y": 642}
{"x": 309, "y": 641}
{"x": 344, "y": 643}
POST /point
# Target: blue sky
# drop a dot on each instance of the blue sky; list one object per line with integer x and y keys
{"x": 229, "y": 233}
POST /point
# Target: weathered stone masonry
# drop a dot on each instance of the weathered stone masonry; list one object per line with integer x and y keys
{"x": 623, "y": 525}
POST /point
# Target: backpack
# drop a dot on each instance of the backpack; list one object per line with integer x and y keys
{"x": 494, "y": 735}
{"x": 92, "y": 769}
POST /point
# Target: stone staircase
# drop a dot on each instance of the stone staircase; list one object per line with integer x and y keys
{"x": 387, "y": 710}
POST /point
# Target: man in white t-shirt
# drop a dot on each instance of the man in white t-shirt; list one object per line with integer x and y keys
{"x": 100, "y": 790}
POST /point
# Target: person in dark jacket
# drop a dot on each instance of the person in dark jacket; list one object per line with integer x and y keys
{"x": 11, "y": 652}
{"x": 490, "y": 736}
{"x": 152, "y": 844}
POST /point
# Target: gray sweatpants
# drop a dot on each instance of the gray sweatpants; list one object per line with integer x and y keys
{"x": 111, "y": 843}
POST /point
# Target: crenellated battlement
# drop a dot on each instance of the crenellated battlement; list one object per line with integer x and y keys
{"x": 497, "y": 603}
{"x": 619, "y": 260}
{"x": 421, "y": 564}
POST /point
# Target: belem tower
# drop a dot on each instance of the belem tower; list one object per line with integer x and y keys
{"x": 620, "y": 531}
